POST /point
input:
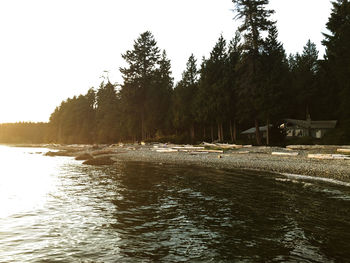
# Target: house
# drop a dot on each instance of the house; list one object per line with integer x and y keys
{"x": 251, "y": 132}
{"x": 308, "y": 127}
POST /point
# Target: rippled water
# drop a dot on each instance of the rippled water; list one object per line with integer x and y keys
{"x": 54, "y": 209}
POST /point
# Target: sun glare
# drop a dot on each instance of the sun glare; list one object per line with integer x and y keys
{"x": 24, "y": 184}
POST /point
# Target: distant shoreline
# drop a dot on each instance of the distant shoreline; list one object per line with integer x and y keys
{"x": 253, "y": 158}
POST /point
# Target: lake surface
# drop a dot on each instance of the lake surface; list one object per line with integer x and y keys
{"x": 54, "y": 209}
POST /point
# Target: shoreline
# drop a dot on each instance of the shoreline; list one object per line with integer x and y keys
{"x": 294, "y": 160}
{"x": 291, "y": 161}
{"x": 333, "y": 169}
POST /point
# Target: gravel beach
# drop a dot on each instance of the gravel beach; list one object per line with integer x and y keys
{"x": 252, "y": 158}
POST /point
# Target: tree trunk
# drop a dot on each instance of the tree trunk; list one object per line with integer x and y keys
{"x": 222, "y": 132}
{"x": 204, "y": 135}
{"x": 257, "y": 132}
{"x": 192, "y": 133}
{"x": 231, "y": 131}
{"x": 268, "y": 132}
{"x": 234, "y": 131}
{"x": 59, "y": 137}
{"x": 142, "y": 126}
{"x": 219, "y": 133}
{"x": 212, "y": 133}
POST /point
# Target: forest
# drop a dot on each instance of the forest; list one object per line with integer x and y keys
{"x": 247, "y": 81}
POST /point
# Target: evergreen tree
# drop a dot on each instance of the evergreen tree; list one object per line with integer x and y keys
{"x": 274, "y": 80}
{"x": 183, "y": 98}
{"x": 216, "y": 99}
{"x": 203, "y": 100}
{"x": 64, "y": 118}
{"x": 304, "y": 81}
{"x": 214, "y": 80}
{"x": 139, "y": 77}
{"x": 55, "y": 124}
{"x": 74, "y": 120}
{"x": 233, "y": 59}
{"x": 157, "y": 105}
{"x": 255, "y": 18}
{"x": 336, "y": 68}
{"x": 107, "y": 117}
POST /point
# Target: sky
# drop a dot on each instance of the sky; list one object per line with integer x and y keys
{"x": 54, "y": 49}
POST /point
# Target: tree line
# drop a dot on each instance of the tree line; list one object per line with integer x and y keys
{"x": 248, "y": 81}
{"x": 24, "y": 132}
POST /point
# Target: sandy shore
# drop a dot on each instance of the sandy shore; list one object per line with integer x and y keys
{"x": 296, "y": 160}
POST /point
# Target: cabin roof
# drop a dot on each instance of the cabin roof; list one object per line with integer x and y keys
{"x": 313, "y": 124}
{"x": 252, "y": 130}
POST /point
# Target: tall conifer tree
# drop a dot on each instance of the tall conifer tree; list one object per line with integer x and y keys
{"x": 214, "y": 79}
{"x": 157, "y": 105}
{"x": 255, "y": 21}
{"x": 233, "y": 59}
{"x": 337, "y": 58}
{"x": 184, "y": 98}
{"x": 304, "y": 86}
{"x": 107, "y": 118}
{"x": 274, "y": 79}
{"x": 139, "y": 77}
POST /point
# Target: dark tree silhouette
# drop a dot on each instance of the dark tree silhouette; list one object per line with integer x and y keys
{"x": 255, "y": 21}
{"x": 139, "y": 77}
{"x": 183, "y": 98}
{"x": 249, "y": 80}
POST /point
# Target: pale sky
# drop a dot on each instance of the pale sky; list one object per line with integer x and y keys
{"x": 54, "y": 49}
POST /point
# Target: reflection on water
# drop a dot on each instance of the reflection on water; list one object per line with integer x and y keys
{"x": 21, "y": 192}
{"x": 57, "y": 210}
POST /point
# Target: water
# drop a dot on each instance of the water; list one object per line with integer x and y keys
{"x": 54, "y": 209}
